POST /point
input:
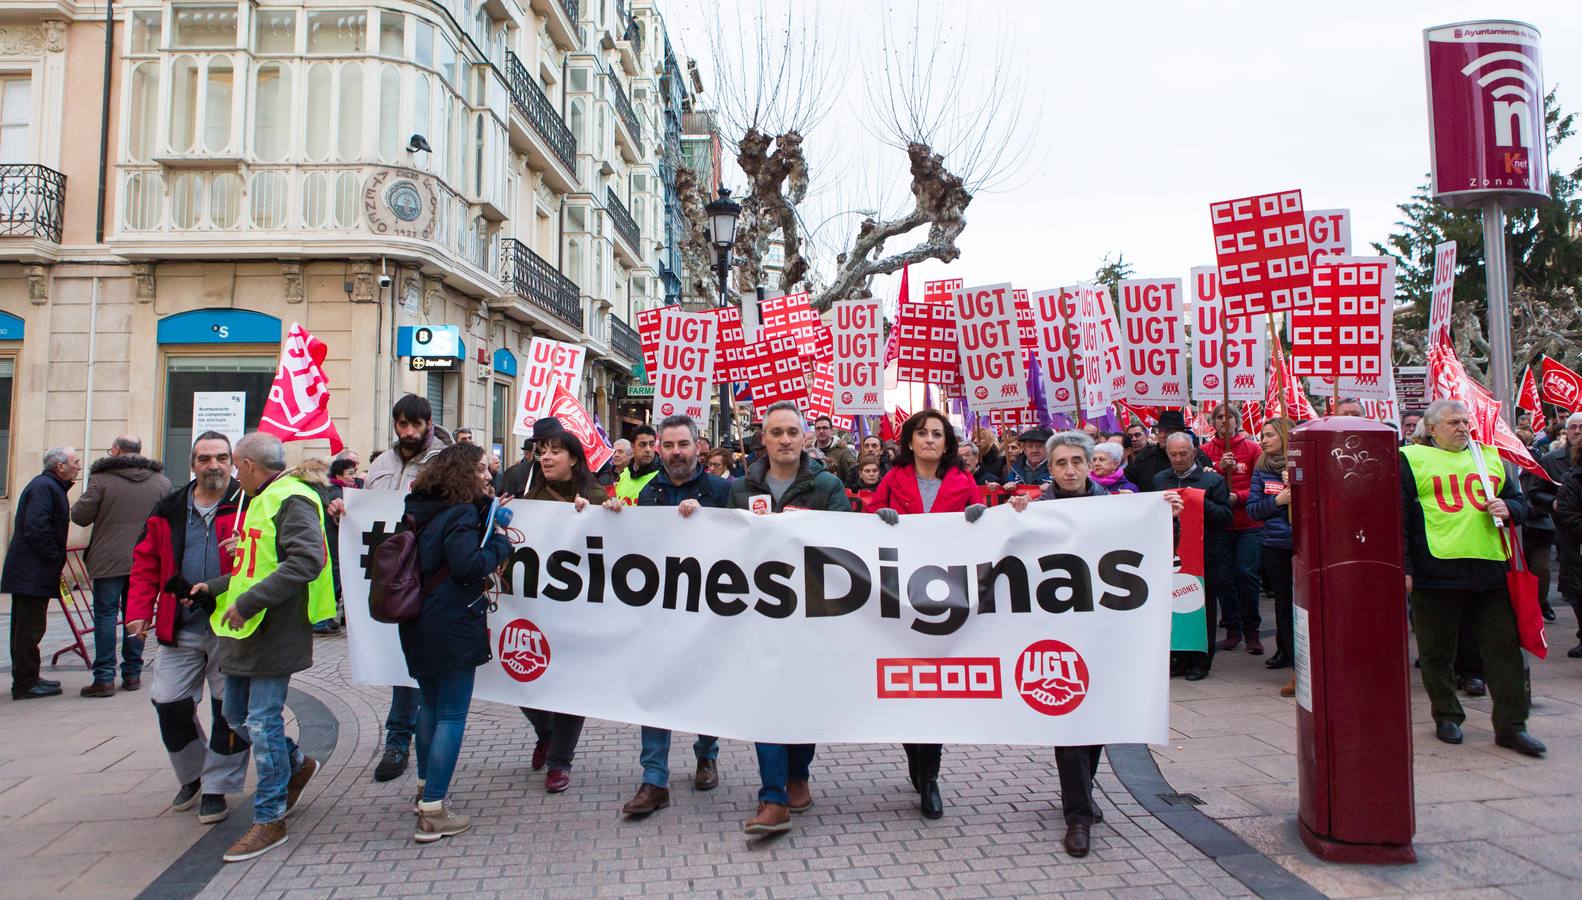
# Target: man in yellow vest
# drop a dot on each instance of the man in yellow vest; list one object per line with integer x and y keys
{"x": 1455, "y": 569}
{"x": 644, "y": 466}
{"x": 280, "y": 584}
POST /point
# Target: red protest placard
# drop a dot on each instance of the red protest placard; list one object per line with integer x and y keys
{"x": 1260, "y": 245}
{"x": 648, "y": 333}
{"x": 730, "y": 351}
{"x": 1328, "y": 234}
{"x": 774, "y": 373}
{"x": 1343, "y": 332}
{"x": 858, "y": 375}
{"x": 1227, "y": 353}
{"x": 992, "y": 362}
{"x": 1026, "y": 325}
{"x": 793, "y": 315}
{"x": 1059, "y": 362}
{"x": 686, "y": 363}
{"x": 1156, "y": 358}
{"x": 941, "y": 291}
{"x": 928, "y": 350}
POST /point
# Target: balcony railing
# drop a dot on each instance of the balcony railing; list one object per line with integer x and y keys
{"x": 32, "y": 199}
{"x": 536, "y": 108}
{"x": 626, "y": 27}
{"x": 625, "y": 225}
{"x": 623, "y": 106}
{"x": 572, "y": 8}
{"x": 624, "y": 340}
{"x": 536, "y": 281}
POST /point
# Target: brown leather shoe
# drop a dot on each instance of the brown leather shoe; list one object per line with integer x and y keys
{"x": 258, "y": 840}
{"x": 649, "y": 799}
{"x": 1077, "y": 839}
{"x": 772, "y": 818}
{"x": 132, "y": 684}
{"x": 299, "y": 780}
{"x": 708, "y": 777}
{"x": 1254, "y": 643}
{"x": 1290, "y": 688}
{"x": 1232, "y": 640}
{"x": 99, "y": 689}
{"x": 800, "y": 796}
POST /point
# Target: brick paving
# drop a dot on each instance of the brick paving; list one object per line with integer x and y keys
{"x": 84, "y": 788}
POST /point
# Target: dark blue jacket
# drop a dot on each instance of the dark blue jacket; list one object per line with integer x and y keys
{"x": 38, "y": 539}
{"x": 1021, "y": 473}
{"x": 452, "y": 631}
{"x": 1260, "y": 505}
{"x": 709, "y": 490}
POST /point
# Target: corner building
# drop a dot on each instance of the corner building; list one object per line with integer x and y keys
{"x": 363, "y": 169}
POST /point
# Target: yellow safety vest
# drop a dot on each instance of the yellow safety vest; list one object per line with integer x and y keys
{"x": 255, "y": 558}
{"x": 627, "y": 488}
{"x": 1455, "y": 502}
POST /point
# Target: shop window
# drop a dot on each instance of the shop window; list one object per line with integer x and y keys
{"x": 203, "y": 26}
{"x": 15, "y": 113}
{"x": 339, "y": 31}
{"x": 250, "y": 376}
{"x": 500, "y": 420}
{"x": 7, "y": 386}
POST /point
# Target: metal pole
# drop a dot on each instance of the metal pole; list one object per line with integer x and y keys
{"x": 1494, "y": 273}
{"x": 725, "y": 387}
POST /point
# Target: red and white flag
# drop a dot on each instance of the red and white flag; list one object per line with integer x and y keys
{"x": 1561, "y": 386}
{"x": 1452, "y": 382}
{"x": 1527, "y": 398}
{"x": 299, "y": 400}
{"x": 574, "y": 418}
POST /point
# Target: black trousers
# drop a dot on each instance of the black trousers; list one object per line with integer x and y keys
{"x": 1535, "y": 548}
{"x": 1277, "y": 573}
{"x": 561, "y": 730}
{"x": 1077, "y": 767}
{"x": 923, "y": 759}
{"x": 29, "y": 616}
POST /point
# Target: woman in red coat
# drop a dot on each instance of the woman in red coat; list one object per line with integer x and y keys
{"x": 927, "y": 477}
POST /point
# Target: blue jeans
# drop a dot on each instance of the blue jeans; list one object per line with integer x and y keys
{"x": 778, "y": 763}
{"x": 440, "y": 725}
{"x": 402, "y": 719}
{"x": 656, "y": 754}
{"x": 1240, "y": 558}
{"x": 255, "y": 709}
{"x": 109, "y": 605}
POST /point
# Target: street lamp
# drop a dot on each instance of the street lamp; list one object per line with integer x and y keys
{"x": 723, "y": 212}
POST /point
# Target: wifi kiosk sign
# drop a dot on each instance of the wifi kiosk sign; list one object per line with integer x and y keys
{"x": 1486, "y": 113}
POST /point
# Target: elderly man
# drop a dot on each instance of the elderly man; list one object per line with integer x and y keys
{"x": 1188, "y": 471}
{"x": 122, "y": 489}
{"x": 1455, "y": 570}
{"x": 32, "y": 567}
{"x": 1033, "y": 467}
{"x": 1070, "y": 463}
{"x": 1150, "y": 460}
{"x": 263, "y": 614}
{"x": 621, "y": 454}
{"x": 1348, "y": 406}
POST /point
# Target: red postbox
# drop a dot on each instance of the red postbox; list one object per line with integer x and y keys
{"x": 1354, "y": 717}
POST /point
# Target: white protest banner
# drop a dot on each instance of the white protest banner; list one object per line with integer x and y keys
{"x": 685, "y": 358}
{"x": 1110, "y": 347}
{"x": 222, "y": 411}
{"x": 1090, "y": 328}
{"x": 1227, "y": 352}
{"x": 548, "y": 363}
{"x": 859, "y": 350}
{"x": 1048, "y": 627}
{"x": 1058, "y": 349}
{"x": 1443, "y": 292}
{"x": 992, "y": 366}
{"x": 1328, "y": 234}
{"x": 1156, "y": 358}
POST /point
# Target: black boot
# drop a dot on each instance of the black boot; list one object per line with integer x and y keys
{"x": 911, "y": 763}
{"x": 932, "y": 805}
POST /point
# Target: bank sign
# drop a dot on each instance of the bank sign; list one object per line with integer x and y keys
{"x": 1486, "y": 113}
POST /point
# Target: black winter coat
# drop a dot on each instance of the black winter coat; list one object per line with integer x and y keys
{"x": 711, "y": 491}
{"x": 1149, "y": 461}
{"x": 1216, "y": 493}
{"x": 37, "y": 553}
{"x": 452, "y": 631}
{"x": 1568, "y": 534}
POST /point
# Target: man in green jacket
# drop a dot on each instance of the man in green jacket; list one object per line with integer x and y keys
{"x": 786, "y": 478}
{"x": 280, "y": 584}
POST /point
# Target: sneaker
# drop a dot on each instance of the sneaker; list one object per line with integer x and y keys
{"x": 299, "y": 780}
{"x": 772, "y": 818}
{"x": 187, "y": 796}
{"x": 435, "y": 821}
{"x": 708, "y": 775}
{"x": 213, "y": 808}
{"x": 99, "y": 689}
{"x": 391, "y": 765}
{"x": 648, "y": 799}
{"x": 258, "y": 840}
{"x": 799, "y": 795}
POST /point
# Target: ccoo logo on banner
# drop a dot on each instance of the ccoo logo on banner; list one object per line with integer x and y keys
{"x": 1050, "y": 626}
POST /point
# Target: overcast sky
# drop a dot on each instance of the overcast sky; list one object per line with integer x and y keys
{"x": 1144, "y": 113}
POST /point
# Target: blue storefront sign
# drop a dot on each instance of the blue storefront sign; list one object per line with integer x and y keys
{"x": 11, "y": 328}
{"x": 430, "y": 342}
{"x": 219, "y": 326}
{"x": 505, "y": 362}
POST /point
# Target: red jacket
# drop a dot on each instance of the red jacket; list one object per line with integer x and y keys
{"x": 898, "y": 491}
{"x": 1246, "y": 451}
{"x": 157, "y": 557}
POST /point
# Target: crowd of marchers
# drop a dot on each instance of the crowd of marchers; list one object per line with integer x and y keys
{"x": 235, "y": 608}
